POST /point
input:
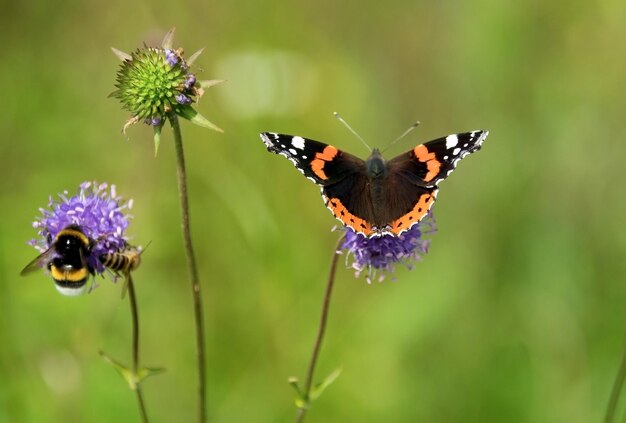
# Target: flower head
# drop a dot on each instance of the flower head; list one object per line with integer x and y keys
{"x": 97, "y": 211}
{"x": 153, "y": 82}
{"x": 378, "y": 255}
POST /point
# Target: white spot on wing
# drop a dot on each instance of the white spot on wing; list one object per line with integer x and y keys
{"x": 451, "y": 141}
{"x": 456, "y": 151}
{"x": 298, "y": 142}
{"x": 293, "y": 151}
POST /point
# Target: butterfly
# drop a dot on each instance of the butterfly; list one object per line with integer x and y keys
{"x": 375, "y": 197}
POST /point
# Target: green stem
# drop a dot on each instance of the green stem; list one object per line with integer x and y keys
{"x": 191, "y": 267}
{"x": 134, "y": 309}
{"x": 617, "y": 389}
{"x": 320, "y": 334}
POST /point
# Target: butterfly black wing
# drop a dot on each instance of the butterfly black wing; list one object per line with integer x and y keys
{"x": 430, "y": 163}
{"x": 340, "y": 175}
{"x": 413, "y": 177}
{"x": 319, "y": 162}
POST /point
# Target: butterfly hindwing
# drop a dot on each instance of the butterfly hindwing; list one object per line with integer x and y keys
{"x": 350, "y": 201}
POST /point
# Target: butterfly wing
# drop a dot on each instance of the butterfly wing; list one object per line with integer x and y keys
{"x": 319, "y": 162}
{"x": 340, "y": 175}
{"x": 411, "y": 185}
{"x": 430, "y": 163}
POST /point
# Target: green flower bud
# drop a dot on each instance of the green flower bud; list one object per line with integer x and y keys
{"x": 153, "y": 83}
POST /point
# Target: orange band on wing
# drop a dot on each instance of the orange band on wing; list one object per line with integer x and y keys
{"x": 419, "y": 211}
{"x": 317, "y": 165}
{"x": 422, "y": 153}
{"x": 432, "y": 164}
{"x": 433, "y": 169}
{"x": 348, "y": 219}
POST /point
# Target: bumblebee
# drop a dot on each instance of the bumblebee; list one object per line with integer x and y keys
{"x": 66, "y": 259}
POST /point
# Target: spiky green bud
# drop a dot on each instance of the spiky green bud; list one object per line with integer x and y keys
{"x": 154, "y": 82}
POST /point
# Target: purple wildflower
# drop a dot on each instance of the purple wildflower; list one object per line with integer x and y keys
{"x": 183, "y": 99}
{"x": 190, "y": 81}
{"x": 380, "y": 254}
{"x": 97, "y": 210}
{"x": 154, "y": 121}
{"x": 171, "y": 57}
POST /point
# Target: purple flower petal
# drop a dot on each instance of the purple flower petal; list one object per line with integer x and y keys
{"x": 154, "y": 121}
{"x": 183, "y": 99}
{"x": 171, "y": 57}
{"x": 190, "y": 81}
{"x": 378, "y": 255}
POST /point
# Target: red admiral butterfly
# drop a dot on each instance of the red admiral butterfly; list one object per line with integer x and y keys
{"x": 376, "y": 197}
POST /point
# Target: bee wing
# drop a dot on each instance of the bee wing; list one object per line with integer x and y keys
{"x": 39, "y": 262}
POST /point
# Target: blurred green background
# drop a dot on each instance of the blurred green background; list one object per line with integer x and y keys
{"x": 517, "y": 312}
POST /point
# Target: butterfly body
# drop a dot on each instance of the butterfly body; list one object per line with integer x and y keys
{"x": 376, "y": 197}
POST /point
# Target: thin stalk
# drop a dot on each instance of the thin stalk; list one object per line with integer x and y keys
{"x": 134, "y": 310}
{"x": 191, "y": 267}
{"x": 617, "y": 389}
{"x": 320, "y": 333}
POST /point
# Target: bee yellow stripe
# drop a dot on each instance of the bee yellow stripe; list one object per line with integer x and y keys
{"x": 74, "y": 275}
{"x": 74, "y": 232}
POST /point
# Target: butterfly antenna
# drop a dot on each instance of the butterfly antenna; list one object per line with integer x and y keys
{"x": 351, "y": 130}
{"x": 404, "y": 134}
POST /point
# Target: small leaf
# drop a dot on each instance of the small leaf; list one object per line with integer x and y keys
{"x": 207, "y": 83}
{"x": 168, "y": 40}
{"x": 194, "y": 56}
{"x": 194, "y": 117}
{"x": 133, "y": 379}
{"x": 121, "y": 55}
{"x": 293, "y": 381}
{"x": 157, "y": 139}
{"x": 300, "y": 400}
{"x": 146, "y": 372}
{"x": 126, "y": 373}
{"x": 320, "y": 387}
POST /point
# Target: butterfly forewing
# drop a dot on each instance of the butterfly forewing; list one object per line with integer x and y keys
{"x": 431, "y": 162}
{"x": 320, "y": 162}
{"x": 350, "y": 201}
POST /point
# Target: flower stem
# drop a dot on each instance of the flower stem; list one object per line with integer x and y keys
{"x": 191, "y": 266}
{"x": 135, "y": 318}
{"x": 320, "y": 334}
{"x": 617, "y": 389}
